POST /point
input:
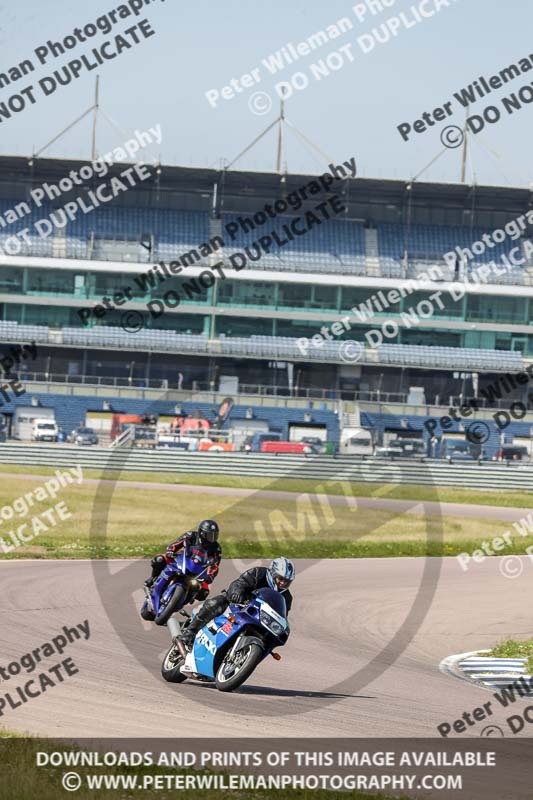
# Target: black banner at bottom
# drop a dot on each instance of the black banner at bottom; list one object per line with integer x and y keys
{"x": 469, "y": 769}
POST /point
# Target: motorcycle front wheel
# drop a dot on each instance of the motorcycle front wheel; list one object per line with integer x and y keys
{"x": 232, "y": 674}
{"x": 174, "y": 604}
{"x": 170, "y": 668}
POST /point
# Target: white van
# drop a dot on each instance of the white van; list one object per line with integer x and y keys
{"x": 356, "y": 442}
{"x": 44, "y": 430}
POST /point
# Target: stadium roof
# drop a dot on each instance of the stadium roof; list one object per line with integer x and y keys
{"x": 363, "y": 195}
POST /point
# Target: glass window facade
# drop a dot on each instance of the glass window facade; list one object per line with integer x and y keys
{"x": 295, "y": 300}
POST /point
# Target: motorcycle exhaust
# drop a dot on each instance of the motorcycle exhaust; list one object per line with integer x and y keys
{"x": 174, "y": 628}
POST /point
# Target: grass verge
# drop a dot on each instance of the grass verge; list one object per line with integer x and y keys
{"x": 21, "y": 779}
{"x": 121, "y": 520}
{"x": 515, "y": 649}
{"x": 503, "y": 499}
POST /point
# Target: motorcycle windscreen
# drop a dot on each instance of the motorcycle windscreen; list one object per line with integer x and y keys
{"x": 275, "y": 600}
{"x": 195, "y": 560}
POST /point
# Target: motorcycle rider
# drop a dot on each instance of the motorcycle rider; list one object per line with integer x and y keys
{"x": 206, "y": 537}
{"x": 278, "y": 575}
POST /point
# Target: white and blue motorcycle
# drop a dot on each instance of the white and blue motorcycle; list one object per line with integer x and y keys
{"x": 227, "y": 650}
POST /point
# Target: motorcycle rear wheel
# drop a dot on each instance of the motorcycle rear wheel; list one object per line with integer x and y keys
{"x": 174, "y": 604}
{"x": 251, "y": 656}
{"x": 170, "y": 668}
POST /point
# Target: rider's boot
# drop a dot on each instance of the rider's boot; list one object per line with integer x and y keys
{"x": 185, "y": 640}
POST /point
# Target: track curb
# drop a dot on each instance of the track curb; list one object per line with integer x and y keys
{"x": 476, "y": 668}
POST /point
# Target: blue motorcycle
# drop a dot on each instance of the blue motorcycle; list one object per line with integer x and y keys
{"x": 177, "y": 585}
{"x": 228, "y": 649}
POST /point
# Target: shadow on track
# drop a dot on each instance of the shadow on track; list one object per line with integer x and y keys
{"x": 269, "y": 691}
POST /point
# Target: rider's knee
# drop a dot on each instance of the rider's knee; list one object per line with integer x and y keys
{"x": 214, "y": 605}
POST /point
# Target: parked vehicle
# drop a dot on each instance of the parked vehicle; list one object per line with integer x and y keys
{"x": 403, "y": 448}
{"x": 44, "y": 430}
{"x": 460, "y": 450}
{"x": 356, "y": 442}
{"x": 287, "y": 447}
{"x": 513, "y": 453}
{"x": 84, "y": 436}
{"x": 227, "y": 650}
{"x": 318, "y": 445}
{"x": 120, "y": 421}
{"x": 175, "y": 441}
{"x": 254, "y": 441}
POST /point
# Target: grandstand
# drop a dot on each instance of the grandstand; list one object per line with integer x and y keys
{"x": 248, "y": 323}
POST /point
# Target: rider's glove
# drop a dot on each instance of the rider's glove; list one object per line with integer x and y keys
{"x": 240, "y": 598}
{"x": 212, "y": 570}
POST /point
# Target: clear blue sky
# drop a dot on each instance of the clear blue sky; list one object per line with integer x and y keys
{"x": 201, "y": 45}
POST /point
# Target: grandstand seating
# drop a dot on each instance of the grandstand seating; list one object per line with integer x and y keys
{"x": 145, "y": 339}
{"x": 39, "y": 246}
{"x": 338, "y": 247}
{"x": 173, "y": 231}
{"x": 258, "y": 346}
{"x": 471, "y": 359}
{"x": 425, "y": 245}
{"x": 433, "y": 240}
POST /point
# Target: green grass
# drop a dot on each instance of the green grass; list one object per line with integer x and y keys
{"x": 504, "y": 499}
{"x": 21, "y": 779}
{"x": 253, "y": 550}
{"x": 117, "y": 519}
{"x": 514, "y": 649}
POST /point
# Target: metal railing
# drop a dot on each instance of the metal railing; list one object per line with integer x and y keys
{"x": 311, "y": 393}
{"x": 487, "y": 475}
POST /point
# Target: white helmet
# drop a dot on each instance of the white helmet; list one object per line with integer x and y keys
{"x": 280, "y": 574}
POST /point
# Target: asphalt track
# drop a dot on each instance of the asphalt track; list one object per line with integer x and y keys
{"x": 431, "y": 508}
{"x": 346, "y": 614}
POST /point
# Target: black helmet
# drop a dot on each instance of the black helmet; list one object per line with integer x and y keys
{"x": 208, "y": 529}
